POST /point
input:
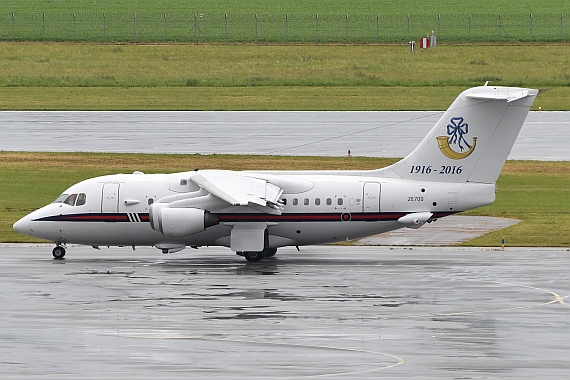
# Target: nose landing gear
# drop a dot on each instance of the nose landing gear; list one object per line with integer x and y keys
{"x": 58, "y": 252}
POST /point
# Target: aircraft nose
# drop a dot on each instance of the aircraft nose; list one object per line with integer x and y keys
{"x": 23, "y": 225}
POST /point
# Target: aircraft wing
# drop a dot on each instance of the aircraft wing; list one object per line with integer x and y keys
{"x": 240, "y": 190}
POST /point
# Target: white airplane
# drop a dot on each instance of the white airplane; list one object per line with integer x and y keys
{"x": 453, "y": 169}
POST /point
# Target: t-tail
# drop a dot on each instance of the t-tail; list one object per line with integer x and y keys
{"x": 471, "y": 141}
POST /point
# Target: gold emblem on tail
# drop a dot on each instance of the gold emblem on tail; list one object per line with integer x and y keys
{"x": 443, "y": 143}
{"x": 456, "y": 129}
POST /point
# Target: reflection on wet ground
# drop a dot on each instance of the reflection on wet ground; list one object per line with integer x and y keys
{"x": 352, "y": 312}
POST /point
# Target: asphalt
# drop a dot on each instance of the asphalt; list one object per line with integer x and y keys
{"x": 326, "y": 311}
{"x": 544, "y": 135}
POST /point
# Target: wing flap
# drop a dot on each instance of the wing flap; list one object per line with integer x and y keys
{"x": 240, "y": 190}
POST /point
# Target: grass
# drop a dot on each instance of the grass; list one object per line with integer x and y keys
{"x": 252, "y": 21}
{"x": 295, "y": 6}
{"x": 282, "y": 28}
{"x": 248, "y": 98}
{"x": 247, "y": 77}
{"x": 31, "y": 180}
{"x": 68, "y": 65}
{"x": 536, "y": 193}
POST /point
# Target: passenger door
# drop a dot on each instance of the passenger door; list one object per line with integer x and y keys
{"x": 110, "y": 198}
{"x": 371, "y": 197}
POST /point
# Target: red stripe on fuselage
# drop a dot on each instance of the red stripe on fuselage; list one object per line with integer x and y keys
{"x": 225, "y": 218}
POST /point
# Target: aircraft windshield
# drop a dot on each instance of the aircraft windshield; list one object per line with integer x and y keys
{"x": 72, "y": 199}
{"x": 81, "y": 199}
{"x": 61, "y": 198}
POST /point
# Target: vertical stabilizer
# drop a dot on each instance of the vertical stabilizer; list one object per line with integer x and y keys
{"x": 471, "y": 141}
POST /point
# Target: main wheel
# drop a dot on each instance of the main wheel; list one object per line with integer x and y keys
{"x": 269, "y": 252}
{"x": 58, "y": 252}
{"x": 253, "y": 256}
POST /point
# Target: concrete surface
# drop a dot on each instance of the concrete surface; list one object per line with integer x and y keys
{"x": 450, "y": 230}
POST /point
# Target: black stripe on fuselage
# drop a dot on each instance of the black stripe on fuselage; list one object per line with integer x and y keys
{"x": 242, "y": 217}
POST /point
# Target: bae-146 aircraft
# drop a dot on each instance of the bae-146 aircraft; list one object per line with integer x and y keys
{"x": 453, "y": 169}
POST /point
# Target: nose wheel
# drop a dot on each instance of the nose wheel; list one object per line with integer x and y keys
{"x": 58, "y": 252}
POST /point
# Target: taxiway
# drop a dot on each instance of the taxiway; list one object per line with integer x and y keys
{"x": 327, "y": 311}
{"x": 544, "y": 135}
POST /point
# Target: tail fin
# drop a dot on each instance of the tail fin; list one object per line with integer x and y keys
{"x": 471, "y": 141}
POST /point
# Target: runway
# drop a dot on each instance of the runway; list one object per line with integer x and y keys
{"x": 544, "y": 135}
{"x": 327, "y": 311}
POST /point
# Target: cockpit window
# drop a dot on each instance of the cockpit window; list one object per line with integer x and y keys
{"x": 81, "y": 199}
{"x": 71, "y": 200}
{"x": 61, "y": 198}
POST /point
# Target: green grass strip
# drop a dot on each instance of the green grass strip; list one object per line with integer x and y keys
{"x": 390, "y": 7}
{"x": 533, "y": 191}
{"x": 244, "y": 77}
{"x": 248, "y": 98}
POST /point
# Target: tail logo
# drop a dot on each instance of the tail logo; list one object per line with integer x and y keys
{"x": 456, "y": 131}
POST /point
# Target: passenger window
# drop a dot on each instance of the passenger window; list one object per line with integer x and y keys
{"x": 306, "y": 201}
{"x": 71, "y": 200}
{"x": 329, "y": 201}
{"x": 295, "y": 201}
{"x": 150, "y": 201}
{"x": 81, "y": 199}
{"x": 317, "y": 201}
{"x": 340, "y": 201}
{"x": 284, "y": 201}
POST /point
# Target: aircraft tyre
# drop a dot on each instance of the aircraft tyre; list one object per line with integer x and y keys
{"x": 58, "y": 252}
{"x": 253, "y": 256}
{"x": 269, "y": 252}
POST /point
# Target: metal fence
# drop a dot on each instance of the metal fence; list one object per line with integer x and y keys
{"x": 265, "y": 28}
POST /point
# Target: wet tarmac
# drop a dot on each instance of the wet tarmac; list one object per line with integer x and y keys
{"x": 327, "y": 311}
{"x": 544, "y": 136}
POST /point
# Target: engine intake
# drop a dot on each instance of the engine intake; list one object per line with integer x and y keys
{"x": 180, "y": 222}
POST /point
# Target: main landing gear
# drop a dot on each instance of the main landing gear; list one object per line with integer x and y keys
{"x": 58, "y": 252}
{"x": 257, "y": 256}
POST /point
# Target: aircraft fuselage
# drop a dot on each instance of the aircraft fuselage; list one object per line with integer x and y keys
{"x": 316, "y": 209}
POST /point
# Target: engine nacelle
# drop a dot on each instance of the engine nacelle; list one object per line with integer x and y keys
{"x": 181, "y": 222}
{"x": 153, "y": 214}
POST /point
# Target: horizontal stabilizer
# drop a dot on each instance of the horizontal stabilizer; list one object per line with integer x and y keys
{"x": 494, "y": 95}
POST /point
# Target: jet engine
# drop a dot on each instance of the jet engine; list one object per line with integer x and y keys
{"x": 180, "y": 222}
